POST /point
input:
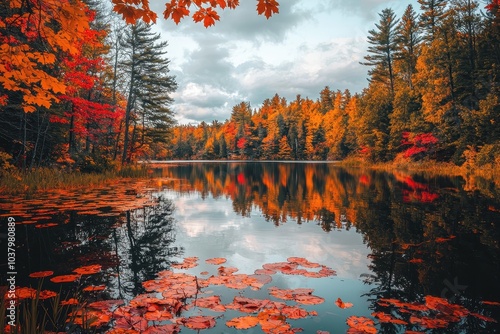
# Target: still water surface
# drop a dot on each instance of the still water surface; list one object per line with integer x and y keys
{"x": 388, "y": 236}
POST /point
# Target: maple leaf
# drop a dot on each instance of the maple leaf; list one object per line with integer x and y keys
{"x": 245, "y": 322}
{"x": 233, "y": 3}
{"x": 342, "y": 304}
{"x": 267, "y": 7}
{"x": 175, "y": 11}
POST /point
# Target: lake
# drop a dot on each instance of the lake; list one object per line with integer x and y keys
{"x": 312, "y": 246}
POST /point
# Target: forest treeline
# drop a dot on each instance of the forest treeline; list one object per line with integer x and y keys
{"x": 81, "y": 89}
{"x": 433, "y": 94}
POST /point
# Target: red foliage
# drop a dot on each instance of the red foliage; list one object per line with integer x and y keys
{"x": 241, "y": 178}
{"x": 493, "y": 5}
{"x": 241, "y": 143}
{"x": 420, "y": 143}
{"x": 365, "y": 150}
{"x": 414, "y": 151}
{"x": 425, "y": 139}
{"x": 364, "y": 179}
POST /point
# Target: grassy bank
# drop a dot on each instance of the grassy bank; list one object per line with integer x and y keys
{"x": 40, "y": 179}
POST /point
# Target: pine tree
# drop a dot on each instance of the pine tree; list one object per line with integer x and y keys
{"x": 149, "y": 87}
{"x": 433, "y": 12}
{"x": 383, "y": 46}
{"x": 408, "y": 40}
{"x": 325, "y": 100}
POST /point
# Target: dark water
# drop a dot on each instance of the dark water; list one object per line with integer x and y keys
{"x": 389, "y": 236}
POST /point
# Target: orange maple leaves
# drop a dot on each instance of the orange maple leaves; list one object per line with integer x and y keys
{"x": 23, "y": 67}
{"x": 200, "y": 10}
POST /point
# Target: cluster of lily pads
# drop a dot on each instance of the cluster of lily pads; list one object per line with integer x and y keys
{"x": 172, "y": 294}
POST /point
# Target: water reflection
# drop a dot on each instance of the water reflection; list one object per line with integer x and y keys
{"x": 131, "y": 246}
{"x": 389, "y": 236}
{"x": 427, "y": 236}
{"x": 144, "y": 246}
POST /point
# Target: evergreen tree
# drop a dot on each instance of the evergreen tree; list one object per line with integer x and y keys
{"x": 149, "y": 88}
{"x": 383, "y": 46}
{"x": 433, "y": 12}
{"x": 408, "y": 40}
{"x": 325, "y": 100}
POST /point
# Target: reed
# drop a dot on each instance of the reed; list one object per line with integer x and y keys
{"x": 41, "y": 179}
{"x": 36, "y": 315}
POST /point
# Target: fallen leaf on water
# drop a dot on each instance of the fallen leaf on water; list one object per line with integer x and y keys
{"x": 216, "y": 260}
{"x": 387, "y": 318}
{"x": 41, "y": 274}
{"x": 429, "y": 323}
{"x": 158, "y": 315}
{"x": 45, "y": 294}
{"x": 486, "y": 302}
{"x": 94, "y": 319}
{"x": 289, "y": 294}
{"x": 309, "y": 299}
{"x": 65, "y": 278}
{"x": 443, "y": 306}
{"x": 197, "y": 322}
{"x": 243, "y": 322}
{"x": 303, "y": 262}
{"x": 212, "y": 302}
{"x": 187, "y": 263}
{"x": 106, "y": 305}
{"x": 71, "y": 301}
{"x": 223, "y": 271}
{"x": 93, "y": 288}
{"x": 248, "y": 305}
{"x": 361, "y": 325}
{"x": 341, "y": 304}
{"x": 294, "y": 312}
{"x": 264, "y": 272}
{"x": 88, "y": 270}
{"x": 163, "y": 329}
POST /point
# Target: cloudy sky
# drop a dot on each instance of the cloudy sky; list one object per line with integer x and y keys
{"x": 310, "y": 44}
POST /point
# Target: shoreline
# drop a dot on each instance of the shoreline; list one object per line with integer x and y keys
{"x": 43, "y": 179}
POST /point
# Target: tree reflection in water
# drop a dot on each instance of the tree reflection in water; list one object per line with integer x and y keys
{"x": 428, "y": 235}
{"x": 144, "y": 245}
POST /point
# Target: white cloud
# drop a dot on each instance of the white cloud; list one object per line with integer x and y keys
{"x": 307, "y": 46}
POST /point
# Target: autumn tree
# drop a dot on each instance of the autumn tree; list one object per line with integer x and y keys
{"x": 32, "y": 36}
{"x": 149, "y": 89}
